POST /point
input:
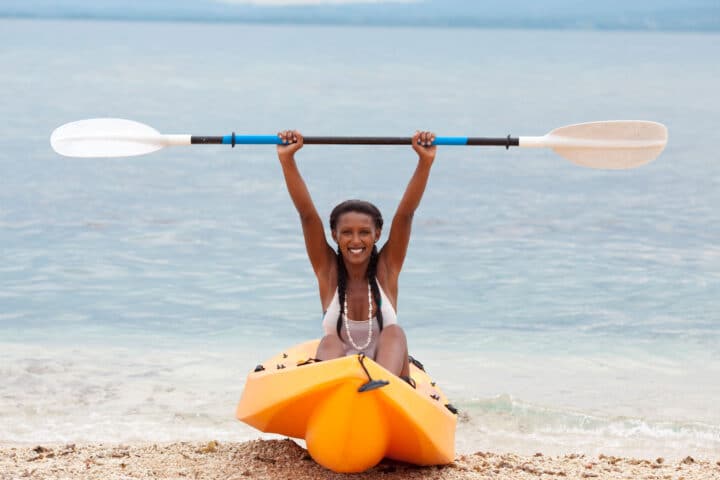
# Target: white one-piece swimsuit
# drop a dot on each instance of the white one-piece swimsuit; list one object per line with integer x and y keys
{"x": 358, "y": 328}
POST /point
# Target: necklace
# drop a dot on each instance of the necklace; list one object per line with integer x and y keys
{"x": 347, "y": 322}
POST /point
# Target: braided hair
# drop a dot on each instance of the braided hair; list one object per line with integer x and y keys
{"x": 367, "y": 208}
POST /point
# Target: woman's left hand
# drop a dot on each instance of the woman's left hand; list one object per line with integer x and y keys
{"x": 292, "y": 142}
{"x": 422, "y": 144}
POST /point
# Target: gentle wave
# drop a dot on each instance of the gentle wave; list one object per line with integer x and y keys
{"x": 536, "y": 428}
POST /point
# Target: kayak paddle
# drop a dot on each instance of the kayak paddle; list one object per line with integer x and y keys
{"x": 616, "y": 144}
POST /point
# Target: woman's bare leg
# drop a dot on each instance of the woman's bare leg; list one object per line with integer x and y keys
{"x": 392, "y": 351}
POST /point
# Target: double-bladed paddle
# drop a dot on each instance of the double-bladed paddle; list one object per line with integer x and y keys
{"x": 616, "y": 144}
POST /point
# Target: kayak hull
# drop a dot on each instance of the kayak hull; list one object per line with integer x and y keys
{"x": 346, "y": 430}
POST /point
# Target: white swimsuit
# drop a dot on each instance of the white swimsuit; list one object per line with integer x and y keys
{"x": 358, "y": 328}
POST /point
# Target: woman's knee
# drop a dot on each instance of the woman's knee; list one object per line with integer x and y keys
{"x": 330, "y": 347}
{"x": 393, "y": 333}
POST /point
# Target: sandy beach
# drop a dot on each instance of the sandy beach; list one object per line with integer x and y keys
{"x": 284, "y": 459}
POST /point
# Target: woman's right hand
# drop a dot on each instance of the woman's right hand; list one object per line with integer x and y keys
{"x": 422, "y": 143}
{"x": 292, "y": 142}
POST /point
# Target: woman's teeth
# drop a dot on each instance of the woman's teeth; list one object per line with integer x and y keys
{"x": 356, "y": 250}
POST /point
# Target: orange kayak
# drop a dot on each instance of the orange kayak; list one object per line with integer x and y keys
{"x": 347, "y": 430}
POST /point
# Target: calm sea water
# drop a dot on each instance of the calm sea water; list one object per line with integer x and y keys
{"x": 562, "y": 309}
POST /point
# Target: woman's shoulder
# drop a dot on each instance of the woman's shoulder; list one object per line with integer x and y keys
{"x": 327, "y": 283}
{"x": 387, "y": 279}
{"x": 383, "y": 265}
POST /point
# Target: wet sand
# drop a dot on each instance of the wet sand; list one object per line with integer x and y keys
{"x": 284, "y": 459}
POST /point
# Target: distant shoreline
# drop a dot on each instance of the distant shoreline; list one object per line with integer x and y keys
{"x": 449, "y": 23}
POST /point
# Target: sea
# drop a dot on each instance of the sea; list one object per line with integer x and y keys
{"x": 562, "y": 309}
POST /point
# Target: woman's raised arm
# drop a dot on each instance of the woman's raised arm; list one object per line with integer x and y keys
{"x": 393, "y": 253}
{"x": 321, "y": 255}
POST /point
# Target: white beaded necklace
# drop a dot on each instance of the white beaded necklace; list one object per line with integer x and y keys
{"x": 347, "y": 323}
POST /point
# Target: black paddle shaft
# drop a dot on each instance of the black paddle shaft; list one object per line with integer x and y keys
{"x": 271, "y": 139}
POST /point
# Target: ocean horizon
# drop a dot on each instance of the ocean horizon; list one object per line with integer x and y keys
{"x": 613, "y": 15}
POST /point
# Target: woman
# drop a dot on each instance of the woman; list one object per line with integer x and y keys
{"x": 359, "y": 284}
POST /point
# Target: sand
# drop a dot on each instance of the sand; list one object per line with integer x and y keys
{"x": 284, "y": 459}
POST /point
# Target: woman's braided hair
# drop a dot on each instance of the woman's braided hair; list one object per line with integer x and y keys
{"x": 367, "y": 208}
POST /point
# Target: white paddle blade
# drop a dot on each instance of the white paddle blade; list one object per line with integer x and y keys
{"x": 615, "y": 145}
{"x": 105, "y": 137}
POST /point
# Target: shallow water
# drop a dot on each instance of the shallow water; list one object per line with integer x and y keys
{"x": 563, "y": 309}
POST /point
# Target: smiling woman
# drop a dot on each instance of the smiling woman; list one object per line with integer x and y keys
{"x": 351, "y": 411}
{"x": 359, "y": 281}
{"x": 356, "y": 227}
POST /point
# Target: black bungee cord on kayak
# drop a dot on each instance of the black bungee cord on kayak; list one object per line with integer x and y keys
{"x": 370, "y": 384}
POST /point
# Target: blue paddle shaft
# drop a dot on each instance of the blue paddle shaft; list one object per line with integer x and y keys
{"x": 275, "y": 140}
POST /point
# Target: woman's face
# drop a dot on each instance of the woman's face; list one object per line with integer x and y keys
{"x": 355, "y": 234}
